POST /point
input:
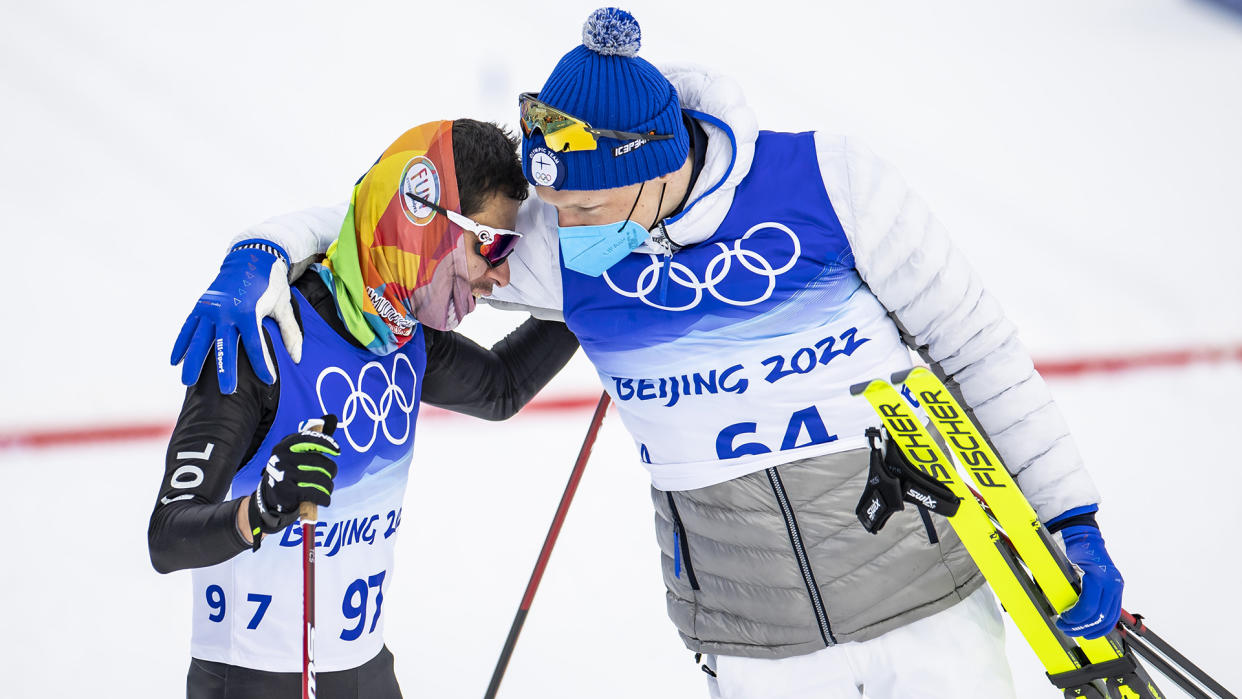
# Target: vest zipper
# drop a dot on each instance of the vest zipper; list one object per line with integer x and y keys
{"x": 932, "y": 536}
{"x": 804, "y": 563}
{"x": 666, "y": 243}
{"x": 681, "y": 547}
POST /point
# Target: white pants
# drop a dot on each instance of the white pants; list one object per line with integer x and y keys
{"x": 959, "y": 652}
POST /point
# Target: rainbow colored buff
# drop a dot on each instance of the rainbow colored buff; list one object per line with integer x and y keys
{"x": 397, "y": 262}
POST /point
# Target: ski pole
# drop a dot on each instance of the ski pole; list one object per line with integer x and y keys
{"x": 549, "y": 541}
{"x": 1135, "y": 625}
{"x": 1137, "y": 636}
{"x": 309, "y": 513}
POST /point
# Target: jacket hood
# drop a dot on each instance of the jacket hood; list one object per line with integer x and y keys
{"x": 718, "y": 104}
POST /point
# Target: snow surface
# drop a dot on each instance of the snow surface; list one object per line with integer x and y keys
{"x": 80, "y": 588}
{"x": 1086, "y": 157}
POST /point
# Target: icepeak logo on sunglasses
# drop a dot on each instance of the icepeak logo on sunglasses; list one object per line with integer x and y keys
{"x": 629, "y": 147}
{"x": 565, "y": 133}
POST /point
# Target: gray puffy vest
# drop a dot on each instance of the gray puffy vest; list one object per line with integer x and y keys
{"x": 775, "y": 564}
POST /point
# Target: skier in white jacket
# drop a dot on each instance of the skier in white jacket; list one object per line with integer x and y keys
{"x": 729, "y": 285}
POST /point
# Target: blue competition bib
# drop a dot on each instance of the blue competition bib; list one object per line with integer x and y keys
{"x": 247, "y": 610}
{"x": 781, "y": 240}
{"x": 736, "y": 353}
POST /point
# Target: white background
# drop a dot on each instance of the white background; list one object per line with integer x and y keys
{"x": 1086, "y": 156}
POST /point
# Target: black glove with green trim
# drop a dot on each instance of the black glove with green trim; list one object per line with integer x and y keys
{"x": 301, "y": 470}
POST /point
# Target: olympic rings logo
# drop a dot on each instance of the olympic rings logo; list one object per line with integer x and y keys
{"x": 376, "y": 412}
{"x": 718, "y": 269}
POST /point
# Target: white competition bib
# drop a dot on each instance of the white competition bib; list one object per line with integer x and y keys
{"x": 248, "y": 610}
{"x": 737, "y": 408}
{"x": 737, "y": 353}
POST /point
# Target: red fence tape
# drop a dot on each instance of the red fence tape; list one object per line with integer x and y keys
{"x": 1054, "y": 368}
{"x": 1172, "y": 358}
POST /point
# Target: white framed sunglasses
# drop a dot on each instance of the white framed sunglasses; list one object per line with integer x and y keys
{"x": 493, "y": 244}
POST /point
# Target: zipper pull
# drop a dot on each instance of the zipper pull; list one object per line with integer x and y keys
{"x": 676, "y": 553}
{"x": 666, "y": 246}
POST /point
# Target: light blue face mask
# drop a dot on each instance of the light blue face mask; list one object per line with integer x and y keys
{"x": 591, "y": 250}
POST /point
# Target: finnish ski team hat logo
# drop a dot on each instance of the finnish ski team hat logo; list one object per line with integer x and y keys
{"x": 546, "y": 167}
{"x": 420, "y": 178}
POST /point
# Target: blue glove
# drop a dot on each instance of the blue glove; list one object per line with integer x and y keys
{"x": 1099, "y": 606}
{"x": 253, "y": 283}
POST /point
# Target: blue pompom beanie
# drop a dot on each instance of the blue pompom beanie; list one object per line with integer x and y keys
{"x": 605, "y": 83}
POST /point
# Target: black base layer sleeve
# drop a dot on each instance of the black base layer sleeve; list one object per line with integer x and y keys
{"x": 495, "y": 384}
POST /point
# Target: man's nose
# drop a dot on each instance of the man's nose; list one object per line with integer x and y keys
{"x": 500, "y": 274}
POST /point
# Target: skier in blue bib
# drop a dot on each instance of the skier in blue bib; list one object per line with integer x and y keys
{"x": 429, "y": 227}
{"x": 729, "y": 285}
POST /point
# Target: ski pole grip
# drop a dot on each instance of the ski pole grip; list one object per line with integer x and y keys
{"x": 309, "y": 511}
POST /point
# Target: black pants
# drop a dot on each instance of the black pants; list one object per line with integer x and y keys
{"x": 373, "y": 679}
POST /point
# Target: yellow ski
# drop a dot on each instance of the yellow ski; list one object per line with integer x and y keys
{"x": 975, "y": 529}
{"x": 1054, "y": 591}
{"x": 1016, "y": 516}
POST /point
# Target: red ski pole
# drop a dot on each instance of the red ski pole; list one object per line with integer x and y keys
{"x": 548, "y": 542}
{"x": 309, "y": 513}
